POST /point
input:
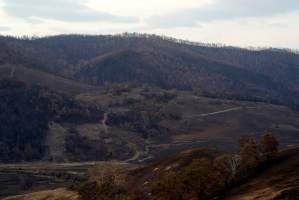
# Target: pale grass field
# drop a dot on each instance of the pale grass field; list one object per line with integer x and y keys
{"x": 57, "y": 194}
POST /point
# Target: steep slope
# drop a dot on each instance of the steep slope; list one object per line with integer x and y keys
{"x": 279, "y": 181}
{"x": 275, "y": 180}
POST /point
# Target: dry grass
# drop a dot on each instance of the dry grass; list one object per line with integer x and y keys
{"x": 58, "y": 194}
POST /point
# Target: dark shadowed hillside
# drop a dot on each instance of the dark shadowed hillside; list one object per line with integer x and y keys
{"x": 26, "y": 114}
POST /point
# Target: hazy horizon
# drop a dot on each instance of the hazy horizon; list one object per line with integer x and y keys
{"x": 241, "y": 23}
{"x": 132, "y": 34}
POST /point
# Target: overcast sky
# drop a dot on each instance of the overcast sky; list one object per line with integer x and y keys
{"x": 234, "y": 22}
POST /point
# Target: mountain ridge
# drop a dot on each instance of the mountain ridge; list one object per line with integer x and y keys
{"x": 251, "y": 70}
{"x": 153, "y": 92}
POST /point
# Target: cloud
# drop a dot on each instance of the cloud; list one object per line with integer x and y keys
{"x": 61, "y": 10}
{"x": 144, "y": 8}
{"x": 235, "y": 22}
{"x": 4, "y": 28}
{"x": 224, "y": 10}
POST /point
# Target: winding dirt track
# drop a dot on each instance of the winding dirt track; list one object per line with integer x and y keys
{"x": 220, "y": 112}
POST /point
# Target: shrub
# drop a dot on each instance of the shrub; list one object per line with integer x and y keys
{"x": 250, "y": 156}
{"x": 89, "y": 191}
{"x": 168, "y": 187}
{"x": 106, "y": 182}
{"x": 269, "y": 146}
{"x": 196, "y": 181}
{"x": 25, "y": 182}
{"x": 199, "y": 178}
{"x": 226, "y": 167}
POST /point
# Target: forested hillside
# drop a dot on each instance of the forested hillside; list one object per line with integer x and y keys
{"x": 25, "y": 115}
{"x": 139, "y": 97}
{"x": 263, "y": 75}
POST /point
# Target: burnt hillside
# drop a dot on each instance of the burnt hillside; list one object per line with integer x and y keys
{"x": 264, "y": 75}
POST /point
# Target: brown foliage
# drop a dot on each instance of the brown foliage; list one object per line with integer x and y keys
{"x": 197, "y": 181}
{"x": 249, "y": 152}
{"x": 225, "y": 168}
{"x": 106, "y": 182}
{"x": 269, "y": 145}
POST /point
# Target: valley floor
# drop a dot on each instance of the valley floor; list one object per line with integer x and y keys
{"x": 33, "y": 177}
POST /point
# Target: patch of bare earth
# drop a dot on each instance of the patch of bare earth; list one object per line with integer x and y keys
{"x": 56, "y": 142}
